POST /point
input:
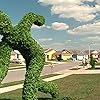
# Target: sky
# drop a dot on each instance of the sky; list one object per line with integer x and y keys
{"x": 69, "y": 24}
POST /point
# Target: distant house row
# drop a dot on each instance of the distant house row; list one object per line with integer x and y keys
{"x": 51, "y": 54}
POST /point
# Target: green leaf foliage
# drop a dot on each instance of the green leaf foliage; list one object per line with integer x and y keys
{"x": 19, "y": 38}
{"x": 92, "y": 62}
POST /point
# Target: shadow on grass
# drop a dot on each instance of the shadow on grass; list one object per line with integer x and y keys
{"x": 5, "y": 99}
{"x": 45, "y": 99}
{"x": 62, "y": 98}
{"x": 93, "y": 69}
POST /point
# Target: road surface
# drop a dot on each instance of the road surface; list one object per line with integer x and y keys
{"x": 19, "y": 74}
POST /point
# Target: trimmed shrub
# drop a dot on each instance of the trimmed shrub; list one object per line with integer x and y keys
{"x": 92, "y": 62}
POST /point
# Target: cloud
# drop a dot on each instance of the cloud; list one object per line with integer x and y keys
{"x": 59, "y": 26}
{"x": 39, "y": 27}
{"x": 71, "y": 42}
{"x": 92, "y": 40}
{"x": 86, "y": 29}
{"x": 54, "y": 25}
{"x": 73, "y": 9}
{"x": 57, "y": 45}
{"x": 45, "y": 39}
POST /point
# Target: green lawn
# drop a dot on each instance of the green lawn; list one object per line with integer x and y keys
{"x": 80, "y": 87}
{"x": 11, "y": 83}
{"x": 98, "y": 64}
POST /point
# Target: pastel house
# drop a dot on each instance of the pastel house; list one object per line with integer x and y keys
{"x": 16, "y": 55}
{"x": 66, "y": 55}
{"x": 49, "y": 54}
{"x": 62, "y": 55}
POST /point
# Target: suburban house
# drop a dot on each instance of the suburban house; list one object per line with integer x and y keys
{"x": 16, "y": 56}
{"x": 57, "y": 55}
{"x": 66, "y": 55}
{"x": 62, "y": 55}
{"x": 49, "y": 54}
{"x": 79, "y": 55}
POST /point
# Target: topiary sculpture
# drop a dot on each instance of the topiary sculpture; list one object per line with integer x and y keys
{"x": 19, "y": 37}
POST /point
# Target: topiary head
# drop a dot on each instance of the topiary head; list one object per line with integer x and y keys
{"x": 39, "y": 20}
{"x": 5, "y": 24}
{"x": 35, "y": 18}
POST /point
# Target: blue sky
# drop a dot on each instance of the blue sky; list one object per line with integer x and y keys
{"x": 70, "y": 24}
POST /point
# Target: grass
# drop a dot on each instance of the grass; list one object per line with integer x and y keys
{"x": 93, "y": 69}
{"x": 80, "y": 87}
{"x": 11, "y": 83}
{"x": 98, "y": 64}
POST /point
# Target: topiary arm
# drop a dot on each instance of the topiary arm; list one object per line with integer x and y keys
{"x": 5, "y": 24}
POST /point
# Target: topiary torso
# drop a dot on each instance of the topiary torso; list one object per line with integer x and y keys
{"x": 19, "y": 37}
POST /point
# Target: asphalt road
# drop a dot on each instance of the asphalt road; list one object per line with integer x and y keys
{"x": 19, "y": 74}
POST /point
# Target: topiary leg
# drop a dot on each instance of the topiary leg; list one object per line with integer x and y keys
{"x": 48, "y": 87}
{"x": 29, "y": 89}
{"x": 5, "y": 53}
{"x": 33, "y": 68}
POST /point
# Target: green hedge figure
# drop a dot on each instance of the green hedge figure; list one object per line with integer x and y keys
{"x": 19, "y": 37}
{"x": 92, "y": 62}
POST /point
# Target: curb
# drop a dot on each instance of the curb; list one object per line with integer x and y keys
{"x": 23, "y": 66}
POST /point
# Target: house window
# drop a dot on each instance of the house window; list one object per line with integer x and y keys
{"x": 47, "y": 56}
{"x": 17, "y": 56}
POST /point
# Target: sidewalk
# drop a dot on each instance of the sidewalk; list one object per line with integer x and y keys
{"x": 56, "y": 62}
{"x": 63, "y": 73}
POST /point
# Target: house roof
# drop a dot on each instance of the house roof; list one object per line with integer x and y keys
{"x": 75, "y": 51}
{"x": 87, "y": 52}
{"x": 63, "y": 52}
{"x": 15, "y": 52}
{"x": 66, "y": 52}
{"x": 95, "y": 52}
{"x": 48, "y": 50}
{"x": 12, "y": 52}
{"x": 58, "y": 52}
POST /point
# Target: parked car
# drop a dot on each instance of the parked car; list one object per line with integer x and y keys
{"x": 17, "y": 61}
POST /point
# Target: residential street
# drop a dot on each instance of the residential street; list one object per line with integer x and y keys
{"x": 19, "y": 74}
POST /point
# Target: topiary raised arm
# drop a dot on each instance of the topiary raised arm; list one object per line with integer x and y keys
{"x": 19, "y": 38}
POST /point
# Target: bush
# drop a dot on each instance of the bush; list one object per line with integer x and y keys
{"x": 92, "y": 62}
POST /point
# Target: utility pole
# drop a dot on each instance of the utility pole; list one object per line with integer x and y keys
{"x": 89, "y": 50}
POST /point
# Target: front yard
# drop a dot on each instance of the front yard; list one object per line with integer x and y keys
{"x": 79, "y": 87}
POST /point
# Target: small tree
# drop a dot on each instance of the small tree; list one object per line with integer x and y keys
{"x": 92, "y": 61}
